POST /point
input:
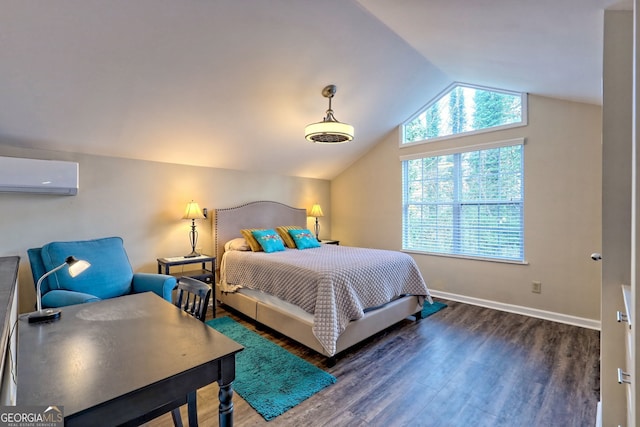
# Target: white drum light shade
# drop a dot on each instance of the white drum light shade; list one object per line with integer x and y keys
{"x": 329, "y": 132}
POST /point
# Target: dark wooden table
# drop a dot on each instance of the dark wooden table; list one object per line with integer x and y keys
{"x": 122, "y": 361}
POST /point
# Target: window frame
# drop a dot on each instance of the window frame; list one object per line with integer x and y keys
{"x": 524, "y": 117}
{"x": 453, "y": 151}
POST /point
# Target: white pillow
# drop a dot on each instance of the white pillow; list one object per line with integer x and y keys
{"x": 237, "y": 244}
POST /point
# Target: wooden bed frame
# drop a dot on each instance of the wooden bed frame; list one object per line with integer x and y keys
{"x": 266, "y": 214}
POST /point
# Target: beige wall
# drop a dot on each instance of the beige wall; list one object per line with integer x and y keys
{"x": 562, "y": 212}
{"x": 142, "y": 202}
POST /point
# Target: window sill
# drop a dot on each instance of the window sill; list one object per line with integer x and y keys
{"x": 467, "y": 257}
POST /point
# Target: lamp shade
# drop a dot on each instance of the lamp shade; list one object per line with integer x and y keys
{"x": 193, "y": 211}
{"x": 78, "y": 266}
{"x": 316, "y": 211}
{"x": 328, "y": 132}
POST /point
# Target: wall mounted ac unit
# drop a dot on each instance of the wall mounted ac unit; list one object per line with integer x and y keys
{"x": 19, "y": 175}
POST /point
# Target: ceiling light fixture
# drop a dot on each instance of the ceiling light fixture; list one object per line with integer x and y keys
{"x": 329, "y": 130}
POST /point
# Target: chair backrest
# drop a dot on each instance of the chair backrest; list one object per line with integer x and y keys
{"x": 193, "y": 296}
{"x": 110, "y": 274}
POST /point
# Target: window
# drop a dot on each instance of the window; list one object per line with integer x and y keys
{"x": 465, "y": 109}
{"x": 467, "y": 203}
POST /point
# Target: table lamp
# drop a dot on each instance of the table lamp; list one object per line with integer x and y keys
{"x": 193, "y": 212}
{"x": 316, "y": 211}
{"x": 76, "y": 266}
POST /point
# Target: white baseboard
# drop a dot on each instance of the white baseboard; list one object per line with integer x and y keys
{"x": 518, "y": 309}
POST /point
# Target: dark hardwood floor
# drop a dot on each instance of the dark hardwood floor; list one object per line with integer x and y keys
{"x": 463, "y": 366}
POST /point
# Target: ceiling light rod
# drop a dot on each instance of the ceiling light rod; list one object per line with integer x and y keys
{"x": 328, "y": 92}
{"x": 329, "y": 130}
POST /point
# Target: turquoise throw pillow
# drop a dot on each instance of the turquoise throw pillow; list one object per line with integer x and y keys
{"x": 269, "y": 240}
{"x": 304, "y": 239}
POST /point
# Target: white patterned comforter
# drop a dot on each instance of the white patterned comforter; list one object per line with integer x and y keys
{"x": 334, "y": 283}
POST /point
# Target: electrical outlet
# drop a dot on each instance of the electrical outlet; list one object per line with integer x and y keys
{"x": 536, "y": 287}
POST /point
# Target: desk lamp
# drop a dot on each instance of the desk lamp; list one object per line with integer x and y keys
{"x": 76, "y": 267}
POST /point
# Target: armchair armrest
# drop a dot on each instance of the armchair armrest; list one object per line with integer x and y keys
{"x": 63, "y": 297}
{"x": 160, "y": 284}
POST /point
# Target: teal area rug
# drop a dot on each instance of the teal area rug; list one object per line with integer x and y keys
{"x": 268, "y": 377}
{"x": 429, "y": 309}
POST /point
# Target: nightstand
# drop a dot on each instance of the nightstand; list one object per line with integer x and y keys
{"x": 330, "y": 242}
{"x": 204, "y": 273}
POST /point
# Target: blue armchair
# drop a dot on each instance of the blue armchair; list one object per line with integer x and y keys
{"x": 109, "y": 276}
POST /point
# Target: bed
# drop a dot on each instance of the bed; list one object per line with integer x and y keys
{"x": 327, "y": 298}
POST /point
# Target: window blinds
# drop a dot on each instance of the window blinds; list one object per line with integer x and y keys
{"x": 467, "y": 203}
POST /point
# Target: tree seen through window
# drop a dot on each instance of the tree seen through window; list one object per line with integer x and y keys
{"x": 465, "y": 108}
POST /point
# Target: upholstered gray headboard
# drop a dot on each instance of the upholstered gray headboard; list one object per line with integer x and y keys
{"x": 262, "y": 214}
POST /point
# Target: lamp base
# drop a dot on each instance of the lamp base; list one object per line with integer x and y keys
{"x": 47, "y": 315}
{"x": 192, "y": 255}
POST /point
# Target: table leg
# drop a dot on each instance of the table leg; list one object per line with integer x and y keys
{"x": 227, "y": 375}
{"x": 225, "y": 417}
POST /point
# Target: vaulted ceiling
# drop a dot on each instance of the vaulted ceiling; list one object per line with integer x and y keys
{"x": 232, "y": 84}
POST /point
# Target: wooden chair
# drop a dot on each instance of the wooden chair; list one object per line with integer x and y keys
{"x": 192, "y": 296}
